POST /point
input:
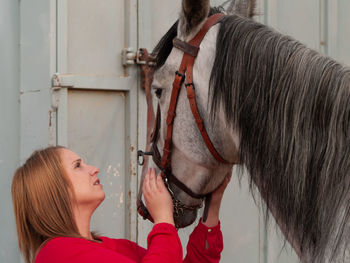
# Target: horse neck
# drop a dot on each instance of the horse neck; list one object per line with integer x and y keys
{"x": 343, "y": 254}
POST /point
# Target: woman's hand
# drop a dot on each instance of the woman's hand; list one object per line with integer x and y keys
{"x": 157, "y": 198}
{"x": 215, "y": 202}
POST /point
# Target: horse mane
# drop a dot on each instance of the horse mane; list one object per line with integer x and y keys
{"x": 292, "y": 108}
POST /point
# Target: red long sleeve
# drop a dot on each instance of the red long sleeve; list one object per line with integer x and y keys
{"x": 205, "y": 245}
{"x": 163, "y": 246}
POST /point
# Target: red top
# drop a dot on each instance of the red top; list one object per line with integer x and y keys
{"x": 205, "y": 245}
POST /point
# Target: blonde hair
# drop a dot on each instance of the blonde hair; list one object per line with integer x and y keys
{"x": 41, "y": 201}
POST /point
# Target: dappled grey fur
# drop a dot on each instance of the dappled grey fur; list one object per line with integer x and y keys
{"x": 292, "y": 107}
{"x": 242, "y": 7}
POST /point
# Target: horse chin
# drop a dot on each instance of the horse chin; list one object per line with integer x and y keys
{"x": 186, "y": 219}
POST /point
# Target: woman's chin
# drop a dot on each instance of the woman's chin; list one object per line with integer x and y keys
{"x": 100, "y": 197}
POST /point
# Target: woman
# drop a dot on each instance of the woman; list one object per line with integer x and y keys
{"x": 55, "y": 194}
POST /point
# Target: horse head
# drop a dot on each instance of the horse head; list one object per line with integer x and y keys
{"x": 191, "y": 161}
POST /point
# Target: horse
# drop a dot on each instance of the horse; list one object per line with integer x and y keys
{"x": 278, "y": 109}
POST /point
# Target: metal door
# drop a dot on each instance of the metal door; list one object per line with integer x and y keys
{"x": 96, "y": 100}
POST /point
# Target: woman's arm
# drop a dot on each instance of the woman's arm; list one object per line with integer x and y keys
{"x": 163, "y": 242}
{"x": 206, "y": 242}
{"x": 215, "y": 203}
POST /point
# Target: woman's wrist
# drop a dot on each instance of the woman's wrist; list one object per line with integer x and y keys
{"x": 211, "y": 222}
{"x": 213, "y": 216}
{"x": 166, "y": 219}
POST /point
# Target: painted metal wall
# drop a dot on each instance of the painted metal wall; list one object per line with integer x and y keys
{"x": 9, "y": 123}
{"x": 96, "y": 101}
{"x": 82, "y": 41}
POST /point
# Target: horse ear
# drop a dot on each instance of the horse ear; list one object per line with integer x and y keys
{"x": 242, "y": 7}
{"x": 193, "y": 13}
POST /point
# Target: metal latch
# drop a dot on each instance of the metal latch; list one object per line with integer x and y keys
{"x": 130, "y": 57}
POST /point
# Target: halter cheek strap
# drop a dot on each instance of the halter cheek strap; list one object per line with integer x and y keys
{"x": 185, "y": 72}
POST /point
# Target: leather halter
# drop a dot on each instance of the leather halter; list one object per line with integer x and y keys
{"x": 185, "y": 73}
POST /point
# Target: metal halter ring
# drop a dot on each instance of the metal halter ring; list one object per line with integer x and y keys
{"x": 141, "y": 156}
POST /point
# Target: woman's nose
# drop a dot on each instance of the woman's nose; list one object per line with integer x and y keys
{"x": 94, "y": 170}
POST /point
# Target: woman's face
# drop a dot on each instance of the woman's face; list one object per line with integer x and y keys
{"x": 87, "y": 188}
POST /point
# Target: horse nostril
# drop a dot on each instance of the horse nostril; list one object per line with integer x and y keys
{"x": 158, "y": 93}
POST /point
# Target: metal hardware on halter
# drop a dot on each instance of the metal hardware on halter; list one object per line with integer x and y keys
{"x": 142, "y": 154}
{"x": 183, "y": 76}
{"x": 179, "y": 207}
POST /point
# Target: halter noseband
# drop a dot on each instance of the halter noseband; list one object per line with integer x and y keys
{"x": 184, "y": 74}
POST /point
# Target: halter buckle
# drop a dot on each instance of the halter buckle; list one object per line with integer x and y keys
{"x": 177, "y": 73}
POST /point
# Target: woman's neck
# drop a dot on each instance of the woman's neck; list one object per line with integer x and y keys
{"x": 82, "y": 220}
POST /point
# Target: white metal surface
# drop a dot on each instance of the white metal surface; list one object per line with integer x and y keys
{"x": 96, "y": 131}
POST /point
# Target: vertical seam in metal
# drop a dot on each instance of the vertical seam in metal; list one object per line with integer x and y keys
{"x": 266, "y": 6}
{"x": 324, "y": 29}
{"x": 332, "y": 28}
{"x": 137, "y": 114}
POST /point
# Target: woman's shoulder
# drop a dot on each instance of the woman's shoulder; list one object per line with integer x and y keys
{"x": 64, "y": 242}
{"x": 60, "y": 249}
{"x": 70, "y": 249}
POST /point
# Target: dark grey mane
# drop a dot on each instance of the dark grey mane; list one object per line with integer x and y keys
{"x": 292, "y": 107}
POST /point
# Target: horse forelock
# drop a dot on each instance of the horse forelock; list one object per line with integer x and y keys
{"x": 292, "y": 107}
{"x": 165, "y": 45}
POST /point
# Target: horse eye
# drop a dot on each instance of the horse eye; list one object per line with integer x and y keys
{"x": 158, "y": 93}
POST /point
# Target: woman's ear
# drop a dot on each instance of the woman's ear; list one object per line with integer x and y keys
{"x": 192, "y": 14}
{"x": 244, "y": 8}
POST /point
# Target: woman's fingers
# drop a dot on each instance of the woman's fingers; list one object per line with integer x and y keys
{"x": 219, "y": 192}
{"x": 223, "y": 186}
{"x": 157, "y": 198}
{"x": 160, "y": 183}
{"x": 146, "y": 189}
{"x": 152, "y": 179}
{"x": 226, "y": 181}
{"x": 150, "y": 183}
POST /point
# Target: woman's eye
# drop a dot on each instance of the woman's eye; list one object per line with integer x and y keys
{"x": 77, "y": 165}
{"x": 158, "y": 93}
